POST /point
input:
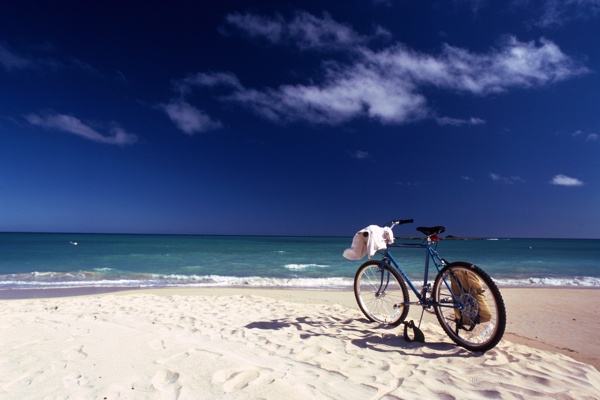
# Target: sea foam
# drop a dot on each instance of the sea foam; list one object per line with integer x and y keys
{"x": 54, "y": 280}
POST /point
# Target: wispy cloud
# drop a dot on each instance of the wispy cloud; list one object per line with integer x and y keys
{"x": 410, "y": 184}
{"x": 11, "y": 61}
{"x": 305, "y": 30}
{"x": 211, "y": 79}
{"x": 513, "y": 64}
{"x": 475, "y": 5}
{"x": 188, "y": 118}
{"x": 359, "y": 155}
{"x": 459, "y": 122}
{"x": 588, "y": 137}
{"x": 257, "y": 26}
{"x": 389, "y": 84}
{"x": 559, "y": 12}
{"x": 350, "y": 94}
{"x": 42, "y": 59}
{"x": 69, "y": 124}
{"x": 563, "y": 180}
{"x": 507, "y": 180}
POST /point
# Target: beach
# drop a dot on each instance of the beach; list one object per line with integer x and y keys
{"x": 267, "y": 343}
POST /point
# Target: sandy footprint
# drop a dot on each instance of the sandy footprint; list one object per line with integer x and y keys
{"x": 207, "y": 354}
{"x": 75, "y": 353}
{"x": 232, "y": 380}
{"x": 74, "y": 379}
{"x": 157, "y": 344}
{"x": 166, "y": 382}
{"x": 173, "y": 358}
{"x": 22, "y": 381}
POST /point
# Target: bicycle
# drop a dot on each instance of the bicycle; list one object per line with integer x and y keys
{"x": 466, "y": 301}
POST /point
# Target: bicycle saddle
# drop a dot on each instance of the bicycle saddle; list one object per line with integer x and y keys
{"x": 434, "y": 230}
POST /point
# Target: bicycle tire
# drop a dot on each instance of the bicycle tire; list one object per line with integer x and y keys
{"x": 480, "y": 324}
{"x": 381, "y": 300}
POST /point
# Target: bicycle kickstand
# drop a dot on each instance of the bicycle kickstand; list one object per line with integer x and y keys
{"x": 416, "y": 332}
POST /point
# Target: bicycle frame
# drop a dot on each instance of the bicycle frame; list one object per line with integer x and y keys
{"x": 431, "y": 255}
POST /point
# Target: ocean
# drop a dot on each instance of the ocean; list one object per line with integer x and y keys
{"x": 60, "y": 260}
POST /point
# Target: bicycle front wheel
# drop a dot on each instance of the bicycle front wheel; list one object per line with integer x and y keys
{"x": 381, "y": 293}
{"x": 469, "y": 306}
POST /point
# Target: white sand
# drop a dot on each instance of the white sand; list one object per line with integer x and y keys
{"x": 140, "y": 345}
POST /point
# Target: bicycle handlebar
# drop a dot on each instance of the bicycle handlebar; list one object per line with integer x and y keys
{"x": 400, "y": 222}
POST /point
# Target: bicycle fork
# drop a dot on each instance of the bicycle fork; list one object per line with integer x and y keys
{"x": 385, "y": 279}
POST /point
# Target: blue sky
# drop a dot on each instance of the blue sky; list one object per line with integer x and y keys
{"x": 301, "y": 118}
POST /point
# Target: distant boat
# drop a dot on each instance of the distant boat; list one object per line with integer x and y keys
{"x": 73, "y": 243}
{"x": 492, "y": 239}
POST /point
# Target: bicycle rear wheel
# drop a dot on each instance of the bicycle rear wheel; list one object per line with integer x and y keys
{"x": 381, "y": 293}
{"x": 470, "y": 307}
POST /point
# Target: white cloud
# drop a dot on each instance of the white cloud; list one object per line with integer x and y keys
{"x": 42, "y": 59}
{"x": 559, "y": 12}
{"x": 387, "y": 84}
{"x": 267, "y": 28}
{"x": 73, "y": 125}
{"x": 305, "y": 30}
{"x": 589, "y": 137}
{"x": 410, "y": 184}
{"x": 360, "y": 155}
{"x": 212, "y": 79}
{"x": 349, "y": 94}
{"x": 188, "y": 118}
{"x": 513, "y": 64}
{"x": 563, "y": 180}
{"x": 11, "y": 61}
{"x": 311, "y": 32}
{"x": 459, "y": 122}
{"x": 507, "y": 180}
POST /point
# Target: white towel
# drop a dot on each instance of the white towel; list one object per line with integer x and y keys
{"x": 378, "y": 238}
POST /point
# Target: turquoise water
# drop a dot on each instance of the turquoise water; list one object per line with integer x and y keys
{"x": 29, "y": 261}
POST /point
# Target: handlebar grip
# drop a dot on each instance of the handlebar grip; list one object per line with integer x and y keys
{"x": 404, "y": 221}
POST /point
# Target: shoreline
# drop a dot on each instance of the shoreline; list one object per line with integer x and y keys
{"x": 42, "y": 292}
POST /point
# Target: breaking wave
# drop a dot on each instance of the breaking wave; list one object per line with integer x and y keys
{"x": 107, "y": 278}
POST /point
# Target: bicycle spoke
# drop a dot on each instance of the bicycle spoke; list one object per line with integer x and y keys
{"x": 476, "y": 319}
{"x": 378, "y": 290}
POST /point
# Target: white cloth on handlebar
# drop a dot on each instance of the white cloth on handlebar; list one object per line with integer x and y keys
{"x": 377, "y": 239}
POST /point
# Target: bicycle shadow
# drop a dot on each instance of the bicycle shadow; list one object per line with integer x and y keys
{"x": 396, "y": 343}
{"x": 375, "y": 337}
